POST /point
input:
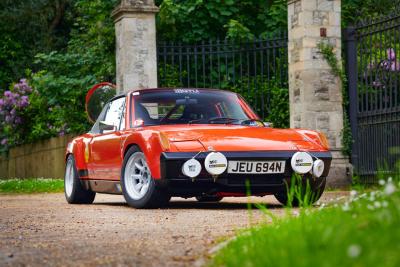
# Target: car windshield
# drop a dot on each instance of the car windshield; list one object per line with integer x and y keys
{"x": 190, "y": 106}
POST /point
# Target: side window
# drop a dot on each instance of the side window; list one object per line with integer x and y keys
{"x": 112, "y": 114}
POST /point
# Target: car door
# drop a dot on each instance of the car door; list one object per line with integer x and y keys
{"x": 105, "y": 147}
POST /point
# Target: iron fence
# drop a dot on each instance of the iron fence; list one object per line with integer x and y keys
{"x": 373, "y": 69}
{"x": 252, "y": 69}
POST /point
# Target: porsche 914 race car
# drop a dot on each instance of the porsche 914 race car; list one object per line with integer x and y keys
{"x": 152, "y": 144}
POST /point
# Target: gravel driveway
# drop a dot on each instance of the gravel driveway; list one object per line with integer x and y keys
{"x": 42, "y": 229}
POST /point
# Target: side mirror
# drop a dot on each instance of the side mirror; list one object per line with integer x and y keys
{"x": 97, "y": 97}
{"x": 104, "y": 126}
{"x": 268, "y": 124}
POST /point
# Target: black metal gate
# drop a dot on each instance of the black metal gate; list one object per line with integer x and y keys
{"x": 373, "y": 70}
{"x": 252, "y": 69}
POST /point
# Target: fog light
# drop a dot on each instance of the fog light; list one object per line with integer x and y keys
{"x": 318, "y": 168}
{"x": 215, "y": 163}
{"x": 191, "y": 168}
{"x": 302, "y": 162}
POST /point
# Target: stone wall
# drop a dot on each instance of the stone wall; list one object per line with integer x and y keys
{"x": 315, "y": 93}
{"x": 43, "y": 159}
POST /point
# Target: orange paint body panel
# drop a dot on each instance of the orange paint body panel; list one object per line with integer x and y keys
{"x": 100, "y": 156}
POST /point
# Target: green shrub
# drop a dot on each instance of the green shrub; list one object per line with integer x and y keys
{"x": 274, "y": 95}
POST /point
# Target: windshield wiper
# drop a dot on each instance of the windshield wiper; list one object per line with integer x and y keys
{"x": 252, "y": 122}
{"x": 194, "y": 121}
{"x": 222, "y": 120}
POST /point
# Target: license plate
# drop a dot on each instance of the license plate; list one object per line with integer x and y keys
{"x": 256, "y": 167}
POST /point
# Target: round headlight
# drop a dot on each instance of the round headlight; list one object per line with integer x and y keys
{"x": 191, "y": 168}
{"x": 318, "y": 168}
{"x": 302, "y": 162}
{"x": 215, "y": 163}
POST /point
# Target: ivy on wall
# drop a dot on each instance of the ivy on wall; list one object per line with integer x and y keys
{"x": 327, "y": 50}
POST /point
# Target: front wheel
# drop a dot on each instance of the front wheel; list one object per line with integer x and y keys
{"x": 73, "y": 189}
{"x": 138, "y": 186}
{"x": 316, "y": 188}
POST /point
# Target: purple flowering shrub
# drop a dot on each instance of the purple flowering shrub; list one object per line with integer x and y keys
{"x": 12, "y": 104}
{"x": 378, "y": 83}
{"x": 44, "y": 108}
{"x": 381, "y": 72}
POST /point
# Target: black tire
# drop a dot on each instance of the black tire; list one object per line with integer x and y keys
{"x": 76, "y": 193}
{"x": 155, "y": 197}
{"x": 317, "y": 188}
{"x": 208, "y": 198}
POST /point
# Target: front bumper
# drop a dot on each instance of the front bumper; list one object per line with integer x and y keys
{"x": 260, "y": 184}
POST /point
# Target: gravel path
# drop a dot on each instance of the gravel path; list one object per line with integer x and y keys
{"x": 42, "y": 229}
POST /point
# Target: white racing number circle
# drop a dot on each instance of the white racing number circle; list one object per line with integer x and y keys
{"x": 215, "y": 163}
{"x": 191, "y": 168}
{"x": 302, "y": 162}
{"x": 318, "y": 168}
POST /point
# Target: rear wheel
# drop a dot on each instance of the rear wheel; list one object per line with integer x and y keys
{"x": 138, "y": 187}
{"x": 316, "y": 187}
{"x": 209, "y": 198}
{"x": 73, "y": 189}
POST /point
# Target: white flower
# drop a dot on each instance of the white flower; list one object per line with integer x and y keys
{"x": 353, "y": 193}
{"x": 385, "y": 204}
{"x": 390, "y": 179}
{"x": 377, "y": 204}
{"x": 346, "y": 207}
{"x": 382, "y": 182}
{"x": 353, "y": 251}
{"x": 390, "y": 188}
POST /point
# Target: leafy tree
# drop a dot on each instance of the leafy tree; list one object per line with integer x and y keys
{"x": 196, "y": 20}
{"x": 27, "y": 28}
{"x": 355, "y": 10}
{"x": 60, "y": 79}
{"x": 66, "y": 76}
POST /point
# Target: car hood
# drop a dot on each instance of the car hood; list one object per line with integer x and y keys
{"x": 236, "y": 138}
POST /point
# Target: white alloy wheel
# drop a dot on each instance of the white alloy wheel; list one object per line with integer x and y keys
{"x": 137, "y": 176}
{"x": 75, "y": 192}
{"x": 69, "y": 178}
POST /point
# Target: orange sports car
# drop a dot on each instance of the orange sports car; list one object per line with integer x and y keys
{"x": 150, "y": 145}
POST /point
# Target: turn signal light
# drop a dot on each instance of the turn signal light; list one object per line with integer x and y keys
{"x": 324, "y": 140}
{"x": 164, "y": 141}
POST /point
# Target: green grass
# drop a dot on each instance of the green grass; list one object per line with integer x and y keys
{"x": 364, "y": 231}
{"x": 33, "y": 185}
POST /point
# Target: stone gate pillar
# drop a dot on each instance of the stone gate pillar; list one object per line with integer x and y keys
{"x": 315, "y": 93}
{"x": 136, "y": 53}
